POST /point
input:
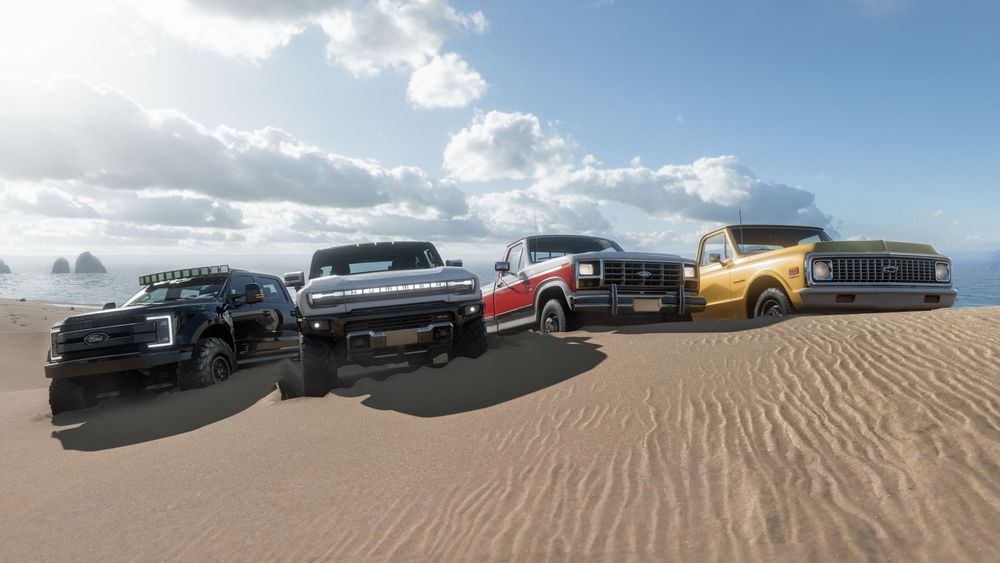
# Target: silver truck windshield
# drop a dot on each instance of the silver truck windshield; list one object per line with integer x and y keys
{"x": 174, "y": 290}
{"x": 365, "y": 258}
{"x": 751, "y": 240}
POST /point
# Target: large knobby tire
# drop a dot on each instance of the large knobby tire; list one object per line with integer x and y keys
{"x": 553, "y": 317}
{"x": 212, "y": 361}
{"x": 70, "y": 394}
{"x": 772, "y": 303}
{"x": 319, "y": 366}
{"x": 472, "y": 343}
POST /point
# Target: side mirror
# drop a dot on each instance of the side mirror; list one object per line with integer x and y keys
{"x": 455, "y": 263}
{"x": 109, "y": 305}
{"x": 715, "y": 258}
{"x": 253, "y": 294}
{"x": 502, "y": 267}
{"x": 295, "y": 280}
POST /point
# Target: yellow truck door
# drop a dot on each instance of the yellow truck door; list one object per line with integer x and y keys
{"x": 715, "y": 264}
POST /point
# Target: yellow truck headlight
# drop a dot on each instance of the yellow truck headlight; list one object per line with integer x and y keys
{"x": 821, "y": 270}
{"x": 690, "y": 272}
{"x": 942, "y": 272}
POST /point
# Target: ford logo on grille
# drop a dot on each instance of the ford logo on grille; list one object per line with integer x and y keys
{"x": 95, "y": 338}
{"x": 890, "y": 269}
{"x": 644, "y": 274}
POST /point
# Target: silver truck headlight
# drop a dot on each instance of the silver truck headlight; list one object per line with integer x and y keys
{"x": 326, "y": 299}
{"x": 462, "y": 286}
{"x": 690, "y": 272}
{"x": 942, "y": 272}
{"x": 164, "y": 331}
{"x": 822, "y": 270}
{"x": 586, "y": 269}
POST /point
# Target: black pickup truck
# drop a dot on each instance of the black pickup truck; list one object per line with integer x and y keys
{"x": 185, "y": 328}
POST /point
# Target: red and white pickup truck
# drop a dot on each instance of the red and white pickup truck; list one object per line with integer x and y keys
{"x": 556, "y": 282}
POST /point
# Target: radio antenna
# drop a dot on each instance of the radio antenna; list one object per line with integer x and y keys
{"x": 742, "y": 242}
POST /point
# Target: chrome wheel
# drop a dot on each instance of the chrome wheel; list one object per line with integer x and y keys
{"x": 220, "y": 369}
{"x": 551, "y": 324}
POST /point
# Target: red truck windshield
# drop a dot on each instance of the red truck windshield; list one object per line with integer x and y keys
{"x": 547, "y": 248}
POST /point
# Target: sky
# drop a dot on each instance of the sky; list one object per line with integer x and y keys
{"x": 250, "y": 126}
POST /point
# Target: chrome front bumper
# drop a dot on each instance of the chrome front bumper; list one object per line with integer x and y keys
{"x": 618, "y": 303}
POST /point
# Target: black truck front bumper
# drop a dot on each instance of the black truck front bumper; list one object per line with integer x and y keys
{"x": 382, "y": 336}
{"x": 135, "y": 361}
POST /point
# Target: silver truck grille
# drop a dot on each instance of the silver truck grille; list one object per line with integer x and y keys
{"x": 882, "y": 270}
{"x": 627, "y": 274}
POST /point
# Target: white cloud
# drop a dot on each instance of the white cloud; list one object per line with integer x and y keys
{"x": 97, "y": 136}
{"x": 445, "y": 82}
{"x": 364, "y": 37}
{"x": 501, "y": 145}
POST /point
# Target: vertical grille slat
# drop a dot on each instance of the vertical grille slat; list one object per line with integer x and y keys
{"x": 881, "y": 270}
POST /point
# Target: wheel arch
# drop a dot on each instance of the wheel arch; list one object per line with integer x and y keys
{"x": 551, "y": 288}
{"x": 216, "y": 329}
{"x": 761, "y": 282}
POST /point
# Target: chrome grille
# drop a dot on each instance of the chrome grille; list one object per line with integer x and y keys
{"x": 881, "y": 270}
{"x": 660, "y": 276}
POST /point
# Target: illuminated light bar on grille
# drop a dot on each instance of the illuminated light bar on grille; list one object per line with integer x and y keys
{"x": 183, "y": 274}
{"x": 460, "y": 286}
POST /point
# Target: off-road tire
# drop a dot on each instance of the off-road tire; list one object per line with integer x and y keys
{"x": 553, "y": 317}
{"x": 319, "y": 366}
{"x": 70, "y": 394}
{"x": 204, "y": 368}
{"x": 772, "y": 303}
{"x": 472, "y": 343}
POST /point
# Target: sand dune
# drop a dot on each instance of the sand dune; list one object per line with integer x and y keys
{"x": 850, "y": 438}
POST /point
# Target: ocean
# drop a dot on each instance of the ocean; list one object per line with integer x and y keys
{"x": 977, "y": 280}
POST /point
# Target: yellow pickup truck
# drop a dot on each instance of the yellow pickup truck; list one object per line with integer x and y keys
{"x": 774, "y": 270}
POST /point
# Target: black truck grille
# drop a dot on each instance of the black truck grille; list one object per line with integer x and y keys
{"x": 116, "y": 339}
{"x": 659, "y": 276}
{"x": 881, "y": 270}
{"x": 396, "y": 323}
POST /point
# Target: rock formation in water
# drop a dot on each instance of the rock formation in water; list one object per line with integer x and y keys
{"x": 61, "y": 266}
{"x": 4, "y": 268}
{"x": 87, "y": 263}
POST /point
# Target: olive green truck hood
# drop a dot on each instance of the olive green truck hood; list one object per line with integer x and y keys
{"x": 874, "y": 246}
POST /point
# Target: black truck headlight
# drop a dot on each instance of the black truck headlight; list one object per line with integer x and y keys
{"x": 164, "y": 331}
{"x": 462, "y": 286}
{"x": 54, "y": 345}
{"x": 822, "y": 270}
{"x": 942, "y": 272}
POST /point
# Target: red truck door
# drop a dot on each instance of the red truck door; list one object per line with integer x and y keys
{"x": 513, "y": 298}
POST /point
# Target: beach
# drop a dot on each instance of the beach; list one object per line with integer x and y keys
{"x": 851, "y": 437}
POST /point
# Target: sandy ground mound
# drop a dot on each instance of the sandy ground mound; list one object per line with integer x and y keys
{"x": 817, "y": 438}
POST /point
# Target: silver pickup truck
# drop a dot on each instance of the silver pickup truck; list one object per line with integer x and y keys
{"x": 383, "y": 303}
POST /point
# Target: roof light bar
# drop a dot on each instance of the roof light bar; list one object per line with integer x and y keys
{"x": 183, "y": 274}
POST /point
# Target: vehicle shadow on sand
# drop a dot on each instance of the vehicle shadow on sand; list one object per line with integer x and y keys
{"x": 696, "y": 327}
{"x": 514, "y": 366}
{"x": 142, "y": 418}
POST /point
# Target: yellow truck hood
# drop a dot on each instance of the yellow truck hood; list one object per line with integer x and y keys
{"x": 874, "y": 246}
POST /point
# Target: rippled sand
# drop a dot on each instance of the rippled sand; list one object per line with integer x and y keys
{"x": 817, "y": 438}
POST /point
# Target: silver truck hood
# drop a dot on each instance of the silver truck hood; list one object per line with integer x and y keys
{"x": 330, "y": 284}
